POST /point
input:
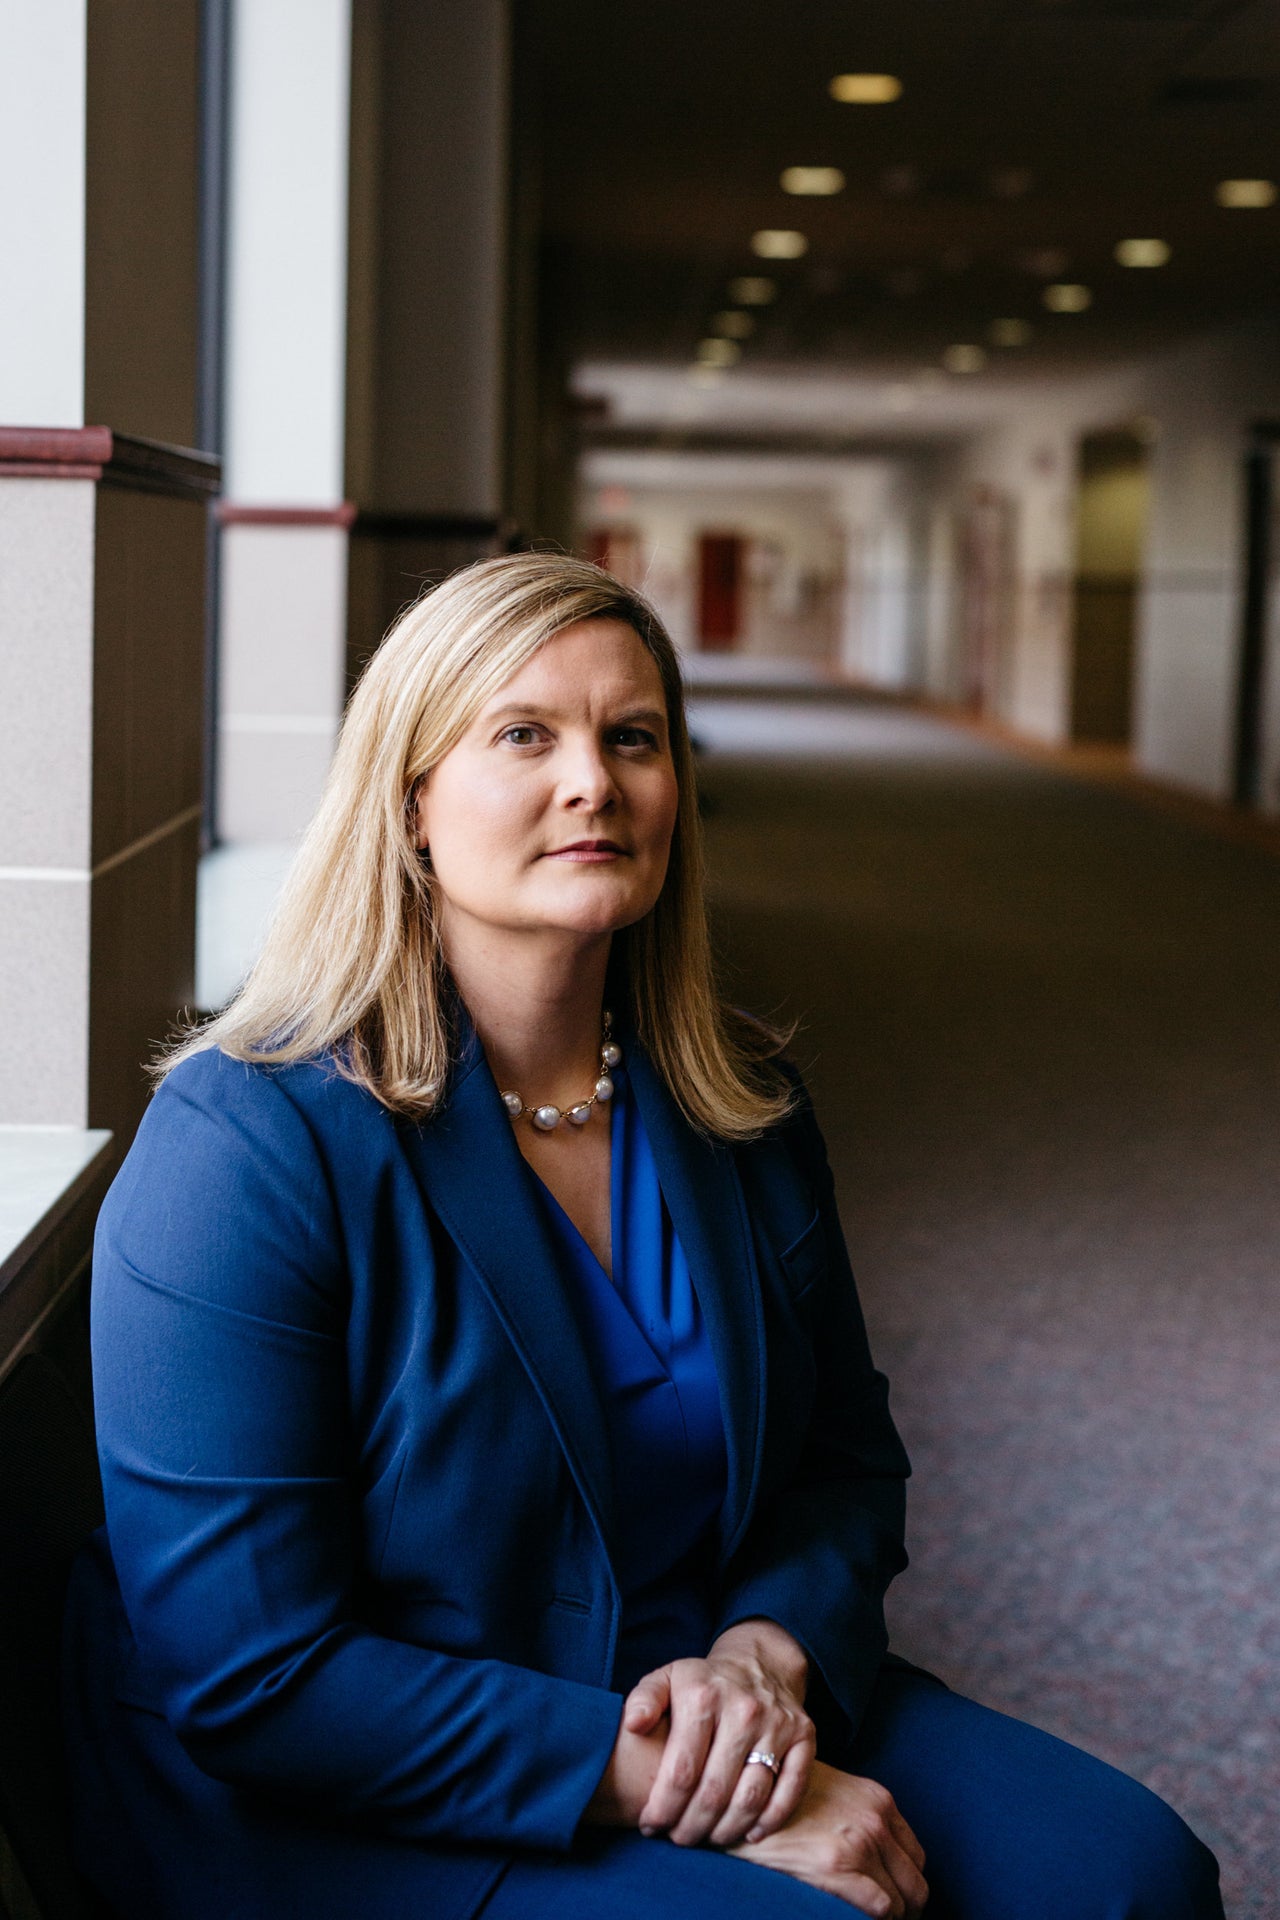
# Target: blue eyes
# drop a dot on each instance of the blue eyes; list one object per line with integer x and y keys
{"x": 524, "y": 735}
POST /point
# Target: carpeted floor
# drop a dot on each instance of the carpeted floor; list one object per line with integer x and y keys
{"x": 1042, "y": 1023}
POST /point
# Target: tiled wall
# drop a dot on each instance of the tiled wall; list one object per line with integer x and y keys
{"x": 46, "y": 665}
{"x": 281, "y": 675}
{"x": 101, "y": 608}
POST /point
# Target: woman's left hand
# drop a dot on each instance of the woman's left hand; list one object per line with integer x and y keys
{"x": 746, "y": 1696}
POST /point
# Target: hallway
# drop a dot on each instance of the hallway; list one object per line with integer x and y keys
{"x": 1042, "y": 1027}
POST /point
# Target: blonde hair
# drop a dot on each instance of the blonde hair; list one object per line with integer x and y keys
{"x": 352, "y": 964}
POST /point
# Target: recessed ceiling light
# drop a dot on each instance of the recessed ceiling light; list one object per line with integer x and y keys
{"x": 1246, "y": 193}
{"x": 1067, "y": 297}
{"x": 750, "y": 290}
{"x": 815, "y": 180}
{"x": 778, "y": 243}
{"x": 1008, "y": 333}
{"x": 866, "y": 89}
{"x": 718, "y": 353}
{"x": 964, "y": 359}
{"x": 734, "y": 326}
{"x": 1143, "y": 253}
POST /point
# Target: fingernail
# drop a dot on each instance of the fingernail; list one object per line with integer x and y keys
{"x": 648, "y": 1832}
{"x": 756, "y": 1833}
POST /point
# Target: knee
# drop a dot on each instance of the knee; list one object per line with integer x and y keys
{"x": 1156, "y": 1867}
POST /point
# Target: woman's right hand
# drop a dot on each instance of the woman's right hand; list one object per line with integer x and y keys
{"x": 847, "y": 1837}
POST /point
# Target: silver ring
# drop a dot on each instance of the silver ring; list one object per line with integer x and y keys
{"x": 758, "y": 1759}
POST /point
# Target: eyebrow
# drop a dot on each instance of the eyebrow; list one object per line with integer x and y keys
{"x": 530, "y": 710}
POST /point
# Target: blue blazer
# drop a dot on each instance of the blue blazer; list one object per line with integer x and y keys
{"x": 357, "y": 1575}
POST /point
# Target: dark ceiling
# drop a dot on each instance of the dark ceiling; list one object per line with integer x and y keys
{"x": 1025, "y": 127}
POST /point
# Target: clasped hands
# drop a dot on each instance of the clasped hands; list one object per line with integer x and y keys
{"x": 679, "y": 1768}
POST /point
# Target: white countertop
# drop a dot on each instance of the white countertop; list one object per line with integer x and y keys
{"x": 41, "y": 1171}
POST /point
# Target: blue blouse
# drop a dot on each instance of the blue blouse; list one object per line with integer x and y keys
{"x": 649, "y": 1350}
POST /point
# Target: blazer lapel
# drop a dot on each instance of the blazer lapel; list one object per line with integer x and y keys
{"x": 704, "y": 1197}
{"x": 479, "y": 1185}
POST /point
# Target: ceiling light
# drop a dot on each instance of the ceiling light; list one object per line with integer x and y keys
{"x": 1008, "y": 333}
{"x": 814, "y": 180}
{"x": 866, "y": 89}
{"x": 1246, "y": 193}
{"x": 1066, "y": 297}
{"x": 752, "y": 291}
{"x": 734, "y": 326}
{"x": 964, "y": 359}
{"x": 778, "y": 243}
{"x": 718, "y": 353}
{"x": 1143, "y": 253}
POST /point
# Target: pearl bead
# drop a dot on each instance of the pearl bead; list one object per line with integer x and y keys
{"x": 546, "y": 1119}
{"x": 580, "y": 1114}
{"x": 604, "y": 1087}
{"x": 611, "y": 1053}
{"x": 513, "y": 1104}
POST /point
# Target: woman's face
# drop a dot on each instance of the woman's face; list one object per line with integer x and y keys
{"x": 554, "y": 812}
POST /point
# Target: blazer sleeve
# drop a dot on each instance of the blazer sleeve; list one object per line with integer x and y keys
{"x": 219, "y": 1311}
{"x": 821, "y": 1551}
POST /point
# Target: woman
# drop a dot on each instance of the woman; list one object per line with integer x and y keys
{"x": 500, "y": 1497}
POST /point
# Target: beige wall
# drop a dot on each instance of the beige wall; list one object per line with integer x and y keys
{"x": 46, "y": 734}
{"x": 281, "y": 683}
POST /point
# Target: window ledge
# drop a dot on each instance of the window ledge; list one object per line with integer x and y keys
{"x": 44, "y": 1173}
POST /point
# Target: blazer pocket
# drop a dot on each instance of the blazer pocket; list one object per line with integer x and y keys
{"x": 804, "y": 1261}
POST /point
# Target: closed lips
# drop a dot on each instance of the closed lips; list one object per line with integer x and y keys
{"x": 588, "y": 846}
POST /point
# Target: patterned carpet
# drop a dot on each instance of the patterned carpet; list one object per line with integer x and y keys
{"x": 1042, "y": 1024}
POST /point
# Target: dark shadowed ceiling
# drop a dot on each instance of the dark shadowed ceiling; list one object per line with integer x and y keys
{"x": 1026, "y": 129}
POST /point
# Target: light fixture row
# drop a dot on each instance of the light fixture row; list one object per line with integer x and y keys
{"x": 722, "y": 348}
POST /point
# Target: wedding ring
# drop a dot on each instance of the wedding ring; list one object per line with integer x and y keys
{"x": 758, "y": 1759}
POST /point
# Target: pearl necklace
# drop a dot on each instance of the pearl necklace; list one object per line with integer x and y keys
{"x": 547, "y": 1118}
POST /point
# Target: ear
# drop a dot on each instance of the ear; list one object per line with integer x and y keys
{"x": 416, "y": 809}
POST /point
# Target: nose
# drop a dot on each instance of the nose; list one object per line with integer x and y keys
{"x": 587, "y": 784}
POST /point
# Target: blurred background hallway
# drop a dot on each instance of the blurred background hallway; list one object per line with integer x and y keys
{"x": 1042, "y": 1029}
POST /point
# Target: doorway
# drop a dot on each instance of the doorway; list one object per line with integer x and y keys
{"x": 720, "y": 580}
{"x": 1256, "y": 771}
{"x": 1111, "y": 525}
{"x": 987, "y": 544}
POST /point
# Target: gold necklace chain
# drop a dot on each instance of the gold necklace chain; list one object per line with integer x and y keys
{"x": 546, "y": 1117}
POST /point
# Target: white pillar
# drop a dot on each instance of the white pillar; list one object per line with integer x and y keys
{"x": 42, "y": 160}
{"x": 282, "y": 629}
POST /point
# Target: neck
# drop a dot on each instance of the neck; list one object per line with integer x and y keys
{"x": 538, "y": 1007}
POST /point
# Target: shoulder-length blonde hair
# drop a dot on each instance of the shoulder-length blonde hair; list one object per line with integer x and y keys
{"x": 352, "y": 964}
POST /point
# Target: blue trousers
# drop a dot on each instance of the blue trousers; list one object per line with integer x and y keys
{"x": 1015, "y": 1826}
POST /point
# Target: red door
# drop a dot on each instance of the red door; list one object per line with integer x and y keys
{"x": 719, "y": 590}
